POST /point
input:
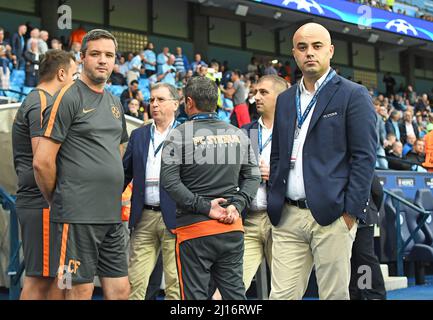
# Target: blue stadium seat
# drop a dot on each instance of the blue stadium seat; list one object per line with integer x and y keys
{"x": 418, "y": 250}
{"x": 27, "y": 90}
{"x": 424, "y": 199}
{"x": 17, "y": 78}
{"x": 116, "y": 89}
{"x": 143, "y": 84}
{"x": 14, "y": 96}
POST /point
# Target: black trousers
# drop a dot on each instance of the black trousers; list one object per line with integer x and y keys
{"x": 217, "y": 257}
{"x": 364, "y": 258}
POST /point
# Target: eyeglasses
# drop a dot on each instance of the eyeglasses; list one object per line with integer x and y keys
{"x": 159, "y": 100}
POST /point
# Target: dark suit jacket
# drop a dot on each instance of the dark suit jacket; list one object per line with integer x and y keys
{"x": 339, "y": 152}
{"x": 17, "y": 48}
{"x": 403, "y": 134}
{"x": 390, "y": 128}
{"x": 134, "y": 165}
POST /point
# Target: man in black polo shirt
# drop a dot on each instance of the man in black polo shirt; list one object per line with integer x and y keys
{"x": 56, "y": 70}
{"x": 79, "y": 170}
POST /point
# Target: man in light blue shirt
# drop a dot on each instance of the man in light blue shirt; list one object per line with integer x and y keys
{"x": 134, "y": 68}
{"x": 149, "y": 60}
{"x": 168, "y": 72}
{"x": 162, "y": 59}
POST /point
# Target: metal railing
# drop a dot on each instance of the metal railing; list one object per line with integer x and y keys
{"x": 15, "y": 268}
{"x": 424, "y": 214}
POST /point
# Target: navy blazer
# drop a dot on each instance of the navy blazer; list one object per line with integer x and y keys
{"x": 339, "y": 152}
{"x": 134, "y": 165}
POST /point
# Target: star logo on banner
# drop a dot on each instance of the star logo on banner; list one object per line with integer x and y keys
{"x": 401, "y": 26}
{"x": 305, "y": 5}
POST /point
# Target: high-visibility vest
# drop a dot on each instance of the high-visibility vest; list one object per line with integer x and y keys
{"x": 428, "y": 140}
{"x": 126, "y": 202}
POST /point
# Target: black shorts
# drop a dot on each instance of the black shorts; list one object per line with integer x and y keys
{"x": 38, "y": 240}
{"x": 88, "y": 250}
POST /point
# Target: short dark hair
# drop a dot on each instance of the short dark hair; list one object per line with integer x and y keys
{"x": 52, "y": 61}
{"x": 133, "y": 82}
{"x": 237, "y": 72}
{"x": 204, "y": 92}
{"x": 96, "y": 34}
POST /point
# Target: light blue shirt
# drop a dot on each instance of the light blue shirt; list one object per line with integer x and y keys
{"x": 161, "y": 60}
{"x": 170, "y": 78}
{"x": 397, "y": 130}
{"x": 150, "y": 56}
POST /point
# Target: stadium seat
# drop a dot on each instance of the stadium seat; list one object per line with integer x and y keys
{"x": 417, "y": 250}
{"x": 27, "y": 90}
{"x": 116, "y": 89}
{"x": 424, "y": 199}
{"x": 17, "y": 78}
{"x": 143, "y": 84}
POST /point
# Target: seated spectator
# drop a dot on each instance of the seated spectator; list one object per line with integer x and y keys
{"x": 134, "y": 110}
{"x": 421, "y": 123}
{"x": 56, "y": 44}
{"x": 195, "y": 65}
{"x": 117, "y": 77}
{"x": 32, "y": 58}
{"x": 168, "y": 72}
{"x": 408, "y": 126}
{"x": 398, "y": 103}
{"x": 383, "y": 112}
{"x": 417, "y": 156}
{"x": 410, "y": 140}
{"x": 4, "y": 69}
{"x": 131, "y": 93}
{"x": 270, "y": 69}
{"x": 395, "y": 158}
{"x": 392, "y": 124}
{"x": 423, "y": 105}
{"x": 389, "y": 142}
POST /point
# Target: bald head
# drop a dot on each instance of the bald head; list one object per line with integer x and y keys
{"x": 312, "y": 29}
{"x": 312, "y": 50}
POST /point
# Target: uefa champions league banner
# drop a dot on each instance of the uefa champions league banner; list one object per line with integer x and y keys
{"x": 365, "y": 17}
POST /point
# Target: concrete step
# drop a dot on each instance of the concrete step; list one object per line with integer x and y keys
{"x": 385, "y": 270}
{"x": 392, "y": 283}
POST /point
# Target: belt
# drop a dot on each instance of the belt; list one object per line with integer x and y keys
{"x": 153, "y": 208}
{"x": 301, "y": 204}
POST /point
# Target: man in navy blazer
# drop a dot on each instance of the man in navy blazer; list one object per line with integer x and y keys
{"x": 153, "y": 212}
{"x": 322, "y": 164}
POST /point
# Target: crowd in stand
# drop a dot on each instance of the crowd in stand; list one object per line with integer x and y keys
{"x": 388, "y": 5}
{"x": 404, "y": 127}
{"x": 404, "y": 118}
